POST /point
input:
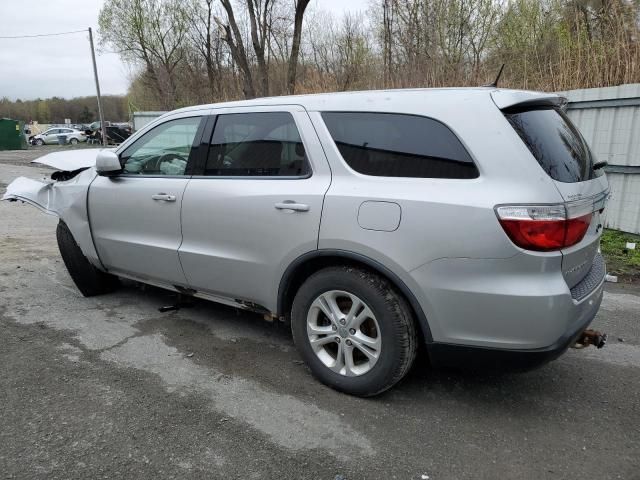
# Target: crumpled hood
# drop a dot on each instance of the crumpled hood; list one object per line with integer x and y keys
{"x": 70, "y": 160}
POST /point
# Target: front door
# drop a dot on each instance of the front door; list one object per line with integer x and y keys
{"x": 135, "y": 216}
{"x": 255, "y": 205}
{"x": 51, "y": 136}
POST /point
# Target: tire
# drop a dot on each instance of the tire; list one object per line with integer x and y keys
{"x": 394, "y": 328}
{"x": 73, "y": 141}
{"x": 89, "y": 280}
{"x": 39, "y": 142}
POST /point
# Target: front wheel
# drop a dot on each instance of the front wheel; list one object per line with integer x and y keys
{"x": 89, "y": 280}
{"x": 355, "y": 332}
{"x": 73, "y": 141}
{"x": 39, "y": 142}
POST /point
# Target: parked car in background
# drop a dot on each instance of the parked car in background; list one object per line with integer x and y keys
{"x": 116, "y": 134}
{"x": 465, "y": 222}
{"x": 50, "y": 136}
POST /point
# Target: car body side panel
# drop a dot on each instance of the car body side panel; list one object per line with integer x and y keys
{"x": 445, "y": 219}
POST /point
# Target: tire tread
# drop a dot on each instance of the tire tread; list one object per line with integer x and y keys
{"x": 88, "y": 279}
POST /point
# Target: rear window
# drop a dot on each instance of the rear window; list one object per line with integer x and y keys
{"x": 397, "y": 145}
{"x": 555, "y": 142}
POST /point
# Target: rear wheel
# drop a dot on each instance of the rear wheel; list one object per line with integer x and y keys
{"x": 354, "y": 330}
{"x": 89, "y": 280}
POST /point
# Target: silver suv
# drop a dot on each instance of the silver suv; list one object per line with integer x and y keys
{"x": 463, "y": 221}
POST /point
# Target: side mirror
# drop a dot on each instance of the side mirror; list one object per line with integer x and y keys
{"x": 108, "y": 163}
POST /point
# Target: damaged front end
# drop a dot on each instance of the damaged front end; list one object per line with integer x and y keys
{"x": 64, "y": 195}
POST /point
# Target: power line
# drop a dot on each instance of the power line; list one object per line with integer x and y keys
{"x": 93, "y": 59}
{"x": 45, "y": 34}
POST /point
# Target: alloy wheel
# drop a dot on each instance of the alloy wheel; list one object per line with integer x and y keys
{"x": 344, "y": 333}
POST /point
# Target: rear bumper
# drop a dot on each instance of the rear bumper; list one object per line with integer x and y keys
{"x": 472, "y": 357}
{"x": 521, "y": 305}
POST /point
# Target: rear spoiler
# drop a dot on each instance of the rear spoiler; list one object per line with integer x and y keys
{"x": 522, "y": 98}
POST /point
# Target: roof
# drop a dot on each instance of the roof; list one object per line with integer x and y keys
{"x": 375, "y": 99}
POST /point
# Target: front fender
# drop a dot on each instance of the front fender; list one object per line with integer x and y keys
{"x": 66, "y": 200}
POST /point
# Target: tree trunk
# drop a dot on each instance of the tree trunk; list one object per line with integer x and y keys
{"x": 237, "y": 49}
{"x": 258, "y": 41}
{"x": 301, "y": 6}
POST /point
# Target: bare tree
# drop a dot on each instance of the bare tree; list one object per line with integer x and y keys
{"x": 301, "y": 6}
{"x": 259, "y": 17}
{"x": 148, "y": 32}
{"x": 198, "y": 50}
{"x": 206, "y": 41}
{"x": 234, "y": 39}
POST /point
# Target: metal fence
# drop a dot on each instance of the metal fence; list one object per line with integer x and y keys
{"x": 609, "y": 119}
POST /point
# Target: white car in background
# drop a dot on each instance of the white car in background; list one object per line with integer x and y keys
{"x": 50, "y": 136}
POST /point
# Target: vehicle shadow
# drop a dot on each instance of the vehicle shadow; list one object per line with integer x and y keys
{"x": 525, "y": 393}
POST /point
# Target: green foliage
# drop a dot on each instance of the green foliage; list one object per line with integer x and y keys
{"x": 55, "y": 110}
{"x": 150, "y": 34}
{"x": 620, "y": 261}
{"x": 86, "y": 116}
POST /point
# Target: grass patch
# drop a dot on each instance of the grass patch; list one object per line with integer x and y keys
{"x": 620, "y": 261}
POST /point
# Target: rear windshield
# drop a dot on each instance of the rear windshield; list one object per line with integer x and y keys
{"x": 555, "y": 142}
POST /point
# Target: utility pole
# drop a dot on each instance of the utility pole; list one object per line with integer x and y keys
{"x": 103, "y": 128}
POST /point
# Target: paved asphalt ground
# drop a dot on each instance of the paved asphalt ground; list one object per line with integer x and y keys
{"x": 108, "y": 387}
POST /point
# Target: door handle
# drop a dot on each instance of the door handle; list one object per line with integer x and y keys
{"x": 164, "y": 197}
{"x": 291, "y": 205}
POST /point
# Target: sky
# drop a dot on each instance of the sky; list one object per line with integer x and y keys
{"x": 61, "y": 66}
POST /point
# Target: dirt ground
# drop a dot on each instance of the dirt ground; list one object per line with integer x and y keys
{"x": 109, "y": 387}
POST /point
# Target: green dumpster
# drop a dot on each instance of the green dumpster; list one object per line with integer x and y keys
{"x": 12, "y": 135}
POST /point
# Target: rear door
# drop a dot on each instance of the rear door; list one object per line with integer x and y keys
{"x": 564, "y": 155}
{"x": 254, "y": 204}
{"x": 135, "y": 216}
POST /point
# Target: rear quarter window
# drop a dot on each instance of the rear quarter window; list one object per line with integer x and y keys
{"x": 555, "y": 143}
{"x": 399, "y": 145}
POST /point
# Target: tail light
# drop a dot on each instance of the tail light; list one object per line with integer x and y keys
{"x": 544, "y": 228}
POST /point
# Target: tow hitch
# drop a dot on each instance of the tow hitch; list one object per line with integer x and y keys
{"x": 591, "y": 337}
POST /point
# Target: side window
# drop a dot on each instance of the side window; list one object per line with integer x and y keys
{"x": 397, "y": 145}
{"x": 255, "y": 145}
{"x": 164, "y": 150}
